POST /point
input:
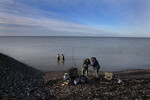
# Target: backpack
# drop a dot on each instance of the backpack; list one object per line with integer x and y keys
{"x": 73, "y": 73}
{"x": 82, "y": 79}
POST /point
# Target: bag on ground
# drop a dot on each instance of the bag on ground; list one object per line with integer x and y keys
{"x": 82, "y": 79}
{"x": 73, "y": 73}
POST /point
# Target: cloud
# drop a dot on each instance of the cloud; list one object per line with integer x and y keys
{"x": 11, "y": 22}
{"x": 19, "y": 18}
{"x": 20, "y": 9}
{"x": 75, "y": 17}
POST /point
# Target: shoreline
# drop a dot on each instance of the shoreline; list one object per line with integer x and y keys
{"x": 50, "y": 75}
{"x": 135, "y": 85}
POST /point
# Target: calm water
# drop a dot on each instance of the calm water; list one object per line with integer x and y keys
{"x": 113, "y": 54}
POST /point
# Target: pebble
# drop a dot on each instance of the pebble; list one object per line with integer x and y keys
{"x": 21, "y": 82}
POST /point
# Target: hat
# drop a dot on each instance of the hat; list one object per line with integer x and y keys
{"x": 93, "y": 57}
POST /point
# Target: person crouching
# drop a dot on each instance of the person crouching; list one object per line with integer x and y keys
{"x": 86, "y": 63}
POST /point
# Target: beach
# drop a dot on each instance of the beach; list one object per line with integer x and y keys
{"x": 135, "y": 86}
{"x": 74, "y": 49}
{"x": 20, "y": 83}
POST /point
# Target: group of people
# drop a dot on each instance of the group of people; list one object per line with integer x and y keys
{"x": 72, "y": 77}
{"x": 86, "y": 63}
{"x": 90, "y": 62}
{"x": 62, "y": 57}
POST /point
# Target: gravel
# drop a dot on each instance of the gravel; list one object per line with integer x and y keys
{"x": 19, "y": 81}
{"x": 135, "y": 86}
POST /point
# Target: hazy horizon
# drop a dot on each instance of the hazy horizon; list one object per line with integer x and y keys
{"x": 78, "y": 36}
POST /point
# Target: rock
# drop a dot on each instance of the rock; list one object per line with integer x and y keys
{"x": 21, "y": 82}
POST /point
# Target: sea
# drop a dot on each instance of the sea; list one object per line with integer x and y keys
{"x": 113, "y": 53}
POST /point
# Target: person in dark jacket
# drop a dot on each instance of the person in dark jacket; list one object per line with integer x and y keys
{"x": 86, "y": 63}
{"x": 96, "y": 66}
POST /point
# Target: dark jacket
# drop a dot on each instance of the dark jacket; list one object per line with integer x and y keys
{"x": 86, "y": 64}
{"x": 95, "y": 64}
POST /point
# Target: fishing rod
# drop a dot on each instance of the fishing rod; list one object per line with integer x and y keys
{"x": 73, "y": 57}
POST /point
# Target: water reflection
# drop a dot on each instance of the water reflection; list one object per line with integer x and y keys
{"x": 58, "y": 62}
{"x": 63, "y": 62}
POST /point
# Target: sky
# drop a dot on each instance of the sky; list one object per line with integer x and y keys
{"x": 110, "y": 18}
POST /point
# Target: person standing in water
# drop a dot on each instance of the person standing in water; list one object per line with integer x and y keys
{"x": 58, "y": 57}
{"x": 63, "y": 58}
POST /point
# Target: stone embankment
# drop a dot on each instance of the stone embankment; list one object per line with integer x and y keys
{"x": 19, "y": 81}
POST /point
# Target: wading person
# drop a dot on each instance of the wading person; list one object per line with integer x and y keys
{"x": 62, "y": 57}
{"x": 96, "y": 66}
{"x": 86, "y": 63}
{"x": 58, "y": 57}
